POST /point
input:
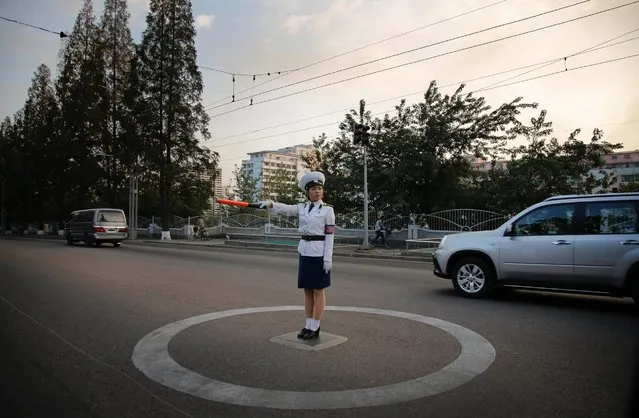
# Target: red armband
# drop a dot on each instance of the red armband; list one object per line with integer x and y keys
{"x": 329, "y": 229}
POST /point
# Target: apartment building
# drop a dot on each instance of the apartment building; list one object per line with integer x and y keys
{"x": 262, "y": 165}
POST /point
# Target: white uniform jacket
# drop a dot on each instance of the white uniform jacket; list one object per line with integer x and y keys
{"x": 319, "y": 220}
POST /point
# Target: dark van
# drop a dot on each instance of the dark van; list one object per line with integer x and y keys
{"x": 96, "y": 226}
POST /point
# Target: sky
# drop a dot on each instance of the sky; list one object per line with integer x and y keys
{"x": 277, "y": 36}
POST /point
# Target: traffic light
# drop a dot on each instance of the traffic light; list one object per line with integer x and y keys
{"x": 361, "y": 136}
{"x": 365, "y": 136}
{"x": 356, "y": 133}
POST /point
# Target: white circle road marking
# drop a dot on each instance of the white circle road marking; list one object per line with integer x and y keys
{"x": 151, "y": 356}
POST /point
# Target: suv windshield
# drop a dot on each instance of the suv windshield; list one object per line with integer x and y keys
{"x": 111, "y": 216}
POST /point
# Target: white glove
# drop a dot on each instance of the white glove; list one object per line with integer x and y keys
{"x": 265, "y": 204}
{"x": 328, "y": 265}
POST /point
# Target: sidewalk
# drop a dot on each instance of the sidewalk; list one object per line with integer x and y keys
{"x": 422, "y": 256}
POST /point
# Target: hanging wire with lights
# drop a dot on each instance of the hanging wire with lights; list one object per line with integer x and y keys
{"x": 60, "y": 34}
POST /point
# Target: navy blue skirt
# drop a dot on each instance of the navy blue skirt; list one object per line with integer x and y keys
{"x": 311, "y": 274}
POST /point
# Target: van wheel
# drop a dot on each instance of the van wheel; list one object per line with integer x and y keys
{"x": 116, "y": 244}
{"x": 88, "y": 242}
{"x": 473, "y": 278}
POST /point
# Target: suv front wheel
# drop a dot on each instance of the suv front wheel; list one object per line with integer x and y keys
{"x": 473, "y": 277}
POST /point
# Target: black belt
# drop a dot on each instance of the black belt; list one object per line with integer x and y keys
{"x": 313, "y": 237}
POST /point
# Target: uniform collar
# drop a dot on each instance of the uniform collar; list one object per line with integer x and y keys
{"x": 317, "y": 204}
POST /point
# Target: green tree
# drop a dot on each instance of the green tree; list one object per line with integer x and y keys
{"x": 418, "y": 158}
{"x": 245, "y": 186}
{"x": 117, "y": 47}
{"x": 81, "y": 126}
{"x": 545, "y": 167}
{"x": 32, "y": 148}
{"x": 172, "y": 86}
{"x": 633, "y": 186}
{"x": 282, "y": 186}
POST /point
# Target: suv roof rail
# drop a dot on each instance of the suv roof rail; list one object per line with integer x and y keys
{"x": 591, "y": 196}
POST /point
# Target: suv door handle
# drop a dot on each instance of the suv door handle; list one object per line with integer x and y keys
{"x": 561, "y": 242}
{"x": 629, "y": 242}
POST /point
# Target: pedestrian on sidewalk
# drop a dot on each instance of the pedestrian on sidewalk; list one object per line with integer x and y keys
{"x": 317, "y": 226}
{"x": 379, "y": 232}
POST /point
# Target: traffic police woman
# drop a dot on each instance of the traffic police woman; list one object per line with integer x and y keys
{"x": 317, "y": 226}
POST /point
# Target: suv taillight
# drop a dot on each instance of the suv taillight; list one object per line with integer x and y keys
{"x": 99, "y": 229}
{"x": 123, "y": 230}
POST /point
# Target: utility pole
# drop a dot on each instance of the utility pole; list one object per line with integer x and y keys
{"x": 133, "y": 205}
{"x": 3, "y": 194}
{"x": 3, "y": 211}
{"x": 361, "y": 136}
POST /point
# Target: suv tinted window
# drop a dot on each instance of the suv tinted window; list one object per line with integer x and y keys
{"x": 547, "y": 220}
{"x": 610, "y": 218}
{"x": 111, "y": 216}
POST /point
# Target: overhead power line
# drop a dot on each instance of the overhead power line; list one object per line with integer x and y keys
{"x": 321, "y": 61}
{"x": 427, "y": 58}
{"x": 246, "y": 74}
{"x": 564, "y": 59}
{"x": 402, "y": 96}
{"x": 60, "y": 34}
{"x": 563, "y": 71}
{"x": 512, "y": 22}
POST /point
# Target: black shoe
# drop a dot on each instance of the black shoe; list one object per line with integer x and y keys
{"x": 303, "y": 332}
{"x": 311, "y": 334}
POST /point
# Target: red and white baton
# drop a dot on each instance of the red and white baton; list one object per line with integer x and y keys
{"x": 237, "y": 203}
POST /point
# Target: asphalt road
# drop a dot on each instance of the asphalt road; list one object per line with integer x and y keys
{"x": 71, "y": 318}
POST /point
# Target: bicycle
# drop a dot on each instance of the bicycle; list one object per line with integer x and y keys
{"x": 388, "y": 239}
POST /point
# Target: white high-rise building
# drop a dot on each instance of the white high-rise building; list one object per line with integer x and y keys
{"x": 215, "y": 180}
{"x": 262, "y": 165}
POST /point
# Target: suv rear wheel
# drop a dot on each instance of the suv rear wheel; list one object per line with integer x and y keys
{"x": 473, "y": 277}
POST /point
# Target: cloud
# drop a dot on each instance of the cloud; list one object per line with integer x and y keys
{"x": 294, "y": 23}
{"x": 337, "y": 10}
{"x": 204, "y": 21}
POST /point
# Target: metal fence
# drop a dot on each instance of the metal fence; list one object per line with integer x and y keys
{"x": 414, "y": 231}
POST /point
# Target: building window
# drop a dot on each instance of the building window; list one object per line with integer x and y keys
{"x": 627, "y": 156}
{"x": 614, "y": 157}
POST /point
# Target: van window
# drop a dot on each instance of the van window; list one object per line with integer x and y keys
{"x": 111, "y": 216}
{"x": 86, "y": 216}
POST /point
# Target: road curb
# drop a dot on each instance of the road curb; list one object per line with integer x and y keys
{"x": 247, "y": 245}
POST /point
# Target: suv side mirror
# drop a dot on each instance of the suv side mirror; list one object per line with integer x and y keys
{"x": 509, "y": 231}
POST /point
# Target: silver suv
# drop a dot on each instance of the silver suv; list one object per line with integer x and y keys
{"x": 575, "y": 243}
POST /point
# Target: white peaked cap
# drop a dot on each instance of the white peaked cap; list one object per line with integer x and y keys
{"x": 310, "y": 178}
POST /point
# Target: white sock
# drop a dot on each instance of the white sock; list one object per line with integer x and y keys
{"x": 315, "y": 324}
{"x": 308, "y": 323}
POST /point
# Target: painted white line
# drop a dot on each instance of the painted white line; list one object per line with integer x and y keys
{"x": 151, "y": 356}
